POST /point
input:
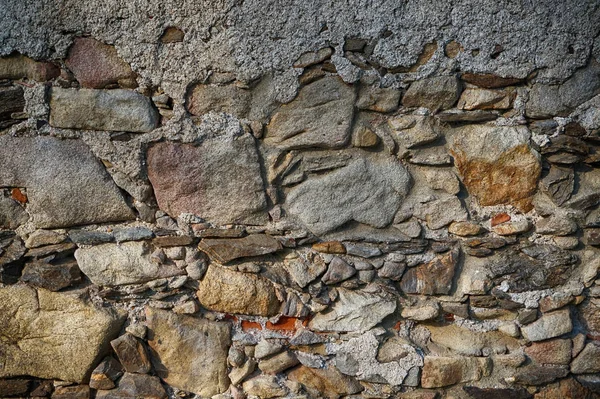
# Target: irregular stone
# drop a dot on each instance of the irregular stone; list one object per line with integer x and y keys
{"x": 303, "y": 271}
{"x": 97, "y": 65}
{"x": 587, "y": 195}
{"x": 442, "y": 179}
{"x": 72, "y": 392}
{"x": 556, "y": 351}
{"x": 133, "y": 385}
{"x": 132, "y": 234}
{"x": 539, "y": 375}
{"x": 201, "y": 180}
{"x": 589, "y": 315}
{"x": 378, "y": 99}
{"x": 132, "y": 354}
{"x": 330, "y": 247}
{"x": 114, "y": 110}
{"x": 465, "y": 229}
{"x": 364, "y": 137}
{"x": 590, "y": 381}
{"x": 320, "y": 116}
{"x": 64, "y": 249}
{"x": 392, "y": 270}
{"x": 559, "y": 183}
{"x": 313, "y": 57}
{"x": 237, "y": 375}
{"x": 18, "y": 66}
{"x": 169, "y": 241}
{"x": 51, "y": 335}
{"x": 225, "y": 290}
{"x": 555, "y": 225}
{"x": 534, "y": 267}
{"x": 12, "y": 214}
{"x": 414, "y": 130}
{"x": 436, "y": 93}
{"x": 226, "y": 250}
{"x": 212, "y": 98}
{"x": 444, "y": 371}
{"x": 459, "y": 340}
{"x": 547, "y": 101}
{"x": 550, "y": 325}
{"x": 421, "y": 312}
{"x": 105, "y": 374}
{"x": 592, "y": 237}
{"x": 12, "y": 100}
{"x": 338, "y": 271}
{"x": 328, "y": 382}
{"x": 172, "y": 34}
{"x": 496, "y": 163}
{"x": 457, "y": 116}
{"x": 497, "y": 393}
{"x": 85, "y": 237}
{"x": 355, "y": 311}
{"x": 588, "y": 361}
{"x": 366, "y": 191}
{"x": 189, "y": 353}
{"x": 441, "y": 212}
{"x": 432, "y": 278}
{"x": 362, "y": 250}
{"x": 567, "y": 388}
{"x": 51, "y": 277}
{"x": 264, "y": 386}
{"x": 69, "y": 195}
{"x": 512, "y": 228}
{"x": 119, "y": 264}
{"x": 40, "y": 238}
{"x": 486, "y": 99}
{"x": 278, "y": 363}
{"x": 16, "y": 387}
{"x": 490, "y": 81}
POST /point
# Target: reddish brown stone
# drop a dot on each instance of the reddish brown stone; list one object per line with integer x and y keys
{"x": 72, "y": 392}
{"x": 329, "y": 382}
{"x": 555, "y": 351}
{"x": 500, "y": 218}
{"x": 490, "y": 81}
{"x": 132, "y": 354}
{"x": 172, "y": 35}
{"x": 566, "y": 389}
{"x": 433, "y": 278}
{"x": 97, "y": 65}
{"x": 18, "y": 195}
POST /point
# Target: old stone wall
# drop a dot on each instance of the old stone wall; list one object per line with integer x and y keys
{"x": 300, "y": 199}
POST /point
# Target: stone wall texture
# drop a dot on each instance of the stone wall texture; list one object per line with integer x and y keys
{"x": 300, "y": 199}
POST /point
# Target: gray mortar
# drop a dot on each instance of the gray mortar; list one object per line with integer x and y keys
{"x": 250, "y": 38}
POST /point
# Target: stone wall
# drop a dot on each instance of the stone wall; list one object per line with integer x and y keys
{"x": 222, "y": 199}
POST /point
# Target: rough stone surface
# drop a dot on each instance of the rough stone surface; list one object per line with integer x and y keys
{"x": 328, "y": 381}
{"x": 588, "y": 361}
{"x": 125, "y": 263}
{"x": 319, "y": 117}
{"x": 438, "y": 93}
{"x": 432, "y": 278}
{"x": 132, "y": 354}
{"x": 354, "y": 311}
{"x": 224, "y": 290}
{"x": 114, "y": 110}
{"x": 52, "y": 335}
{"x": 225, "y": 250}
{"x": 133, "y": 385}
{"x": 550, "y": 325}
{"x": 443, "y": 371}
{"x": 200, "y": 179}
{"x": 365, "y": 191}
{"x": 496, "y": 164}
{"x": 69, "y": 195}
{"x": 97, "y": 65}
{"x": 189, "y": 353}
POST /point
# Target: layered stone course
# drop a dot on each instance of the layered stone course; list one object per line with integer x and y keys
{"x": 368, "y": 216}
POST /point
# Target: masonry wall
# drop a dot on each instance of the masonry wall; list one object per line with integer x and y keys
{"x": 244, "y": 199}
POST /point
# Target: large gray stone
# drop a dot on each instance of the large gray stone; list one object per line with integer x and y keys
{"x": 218, "y": 180}
{"x": 321, "y": 116}
{"x": 355, "y": 311}
{"x": 114, "y": 110}
{"x": 65, "y": 184}
{"x": 52, "y": 335}
{"x": 588, "y": 361}
{"x": 125, "y": 263}
{"x": 547, "y": 101}
{"x": 436, "y": 93}
{"x": 189, "y": 353}
{"x": 366, "y": 191}
{"x": 550, "y": 325}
